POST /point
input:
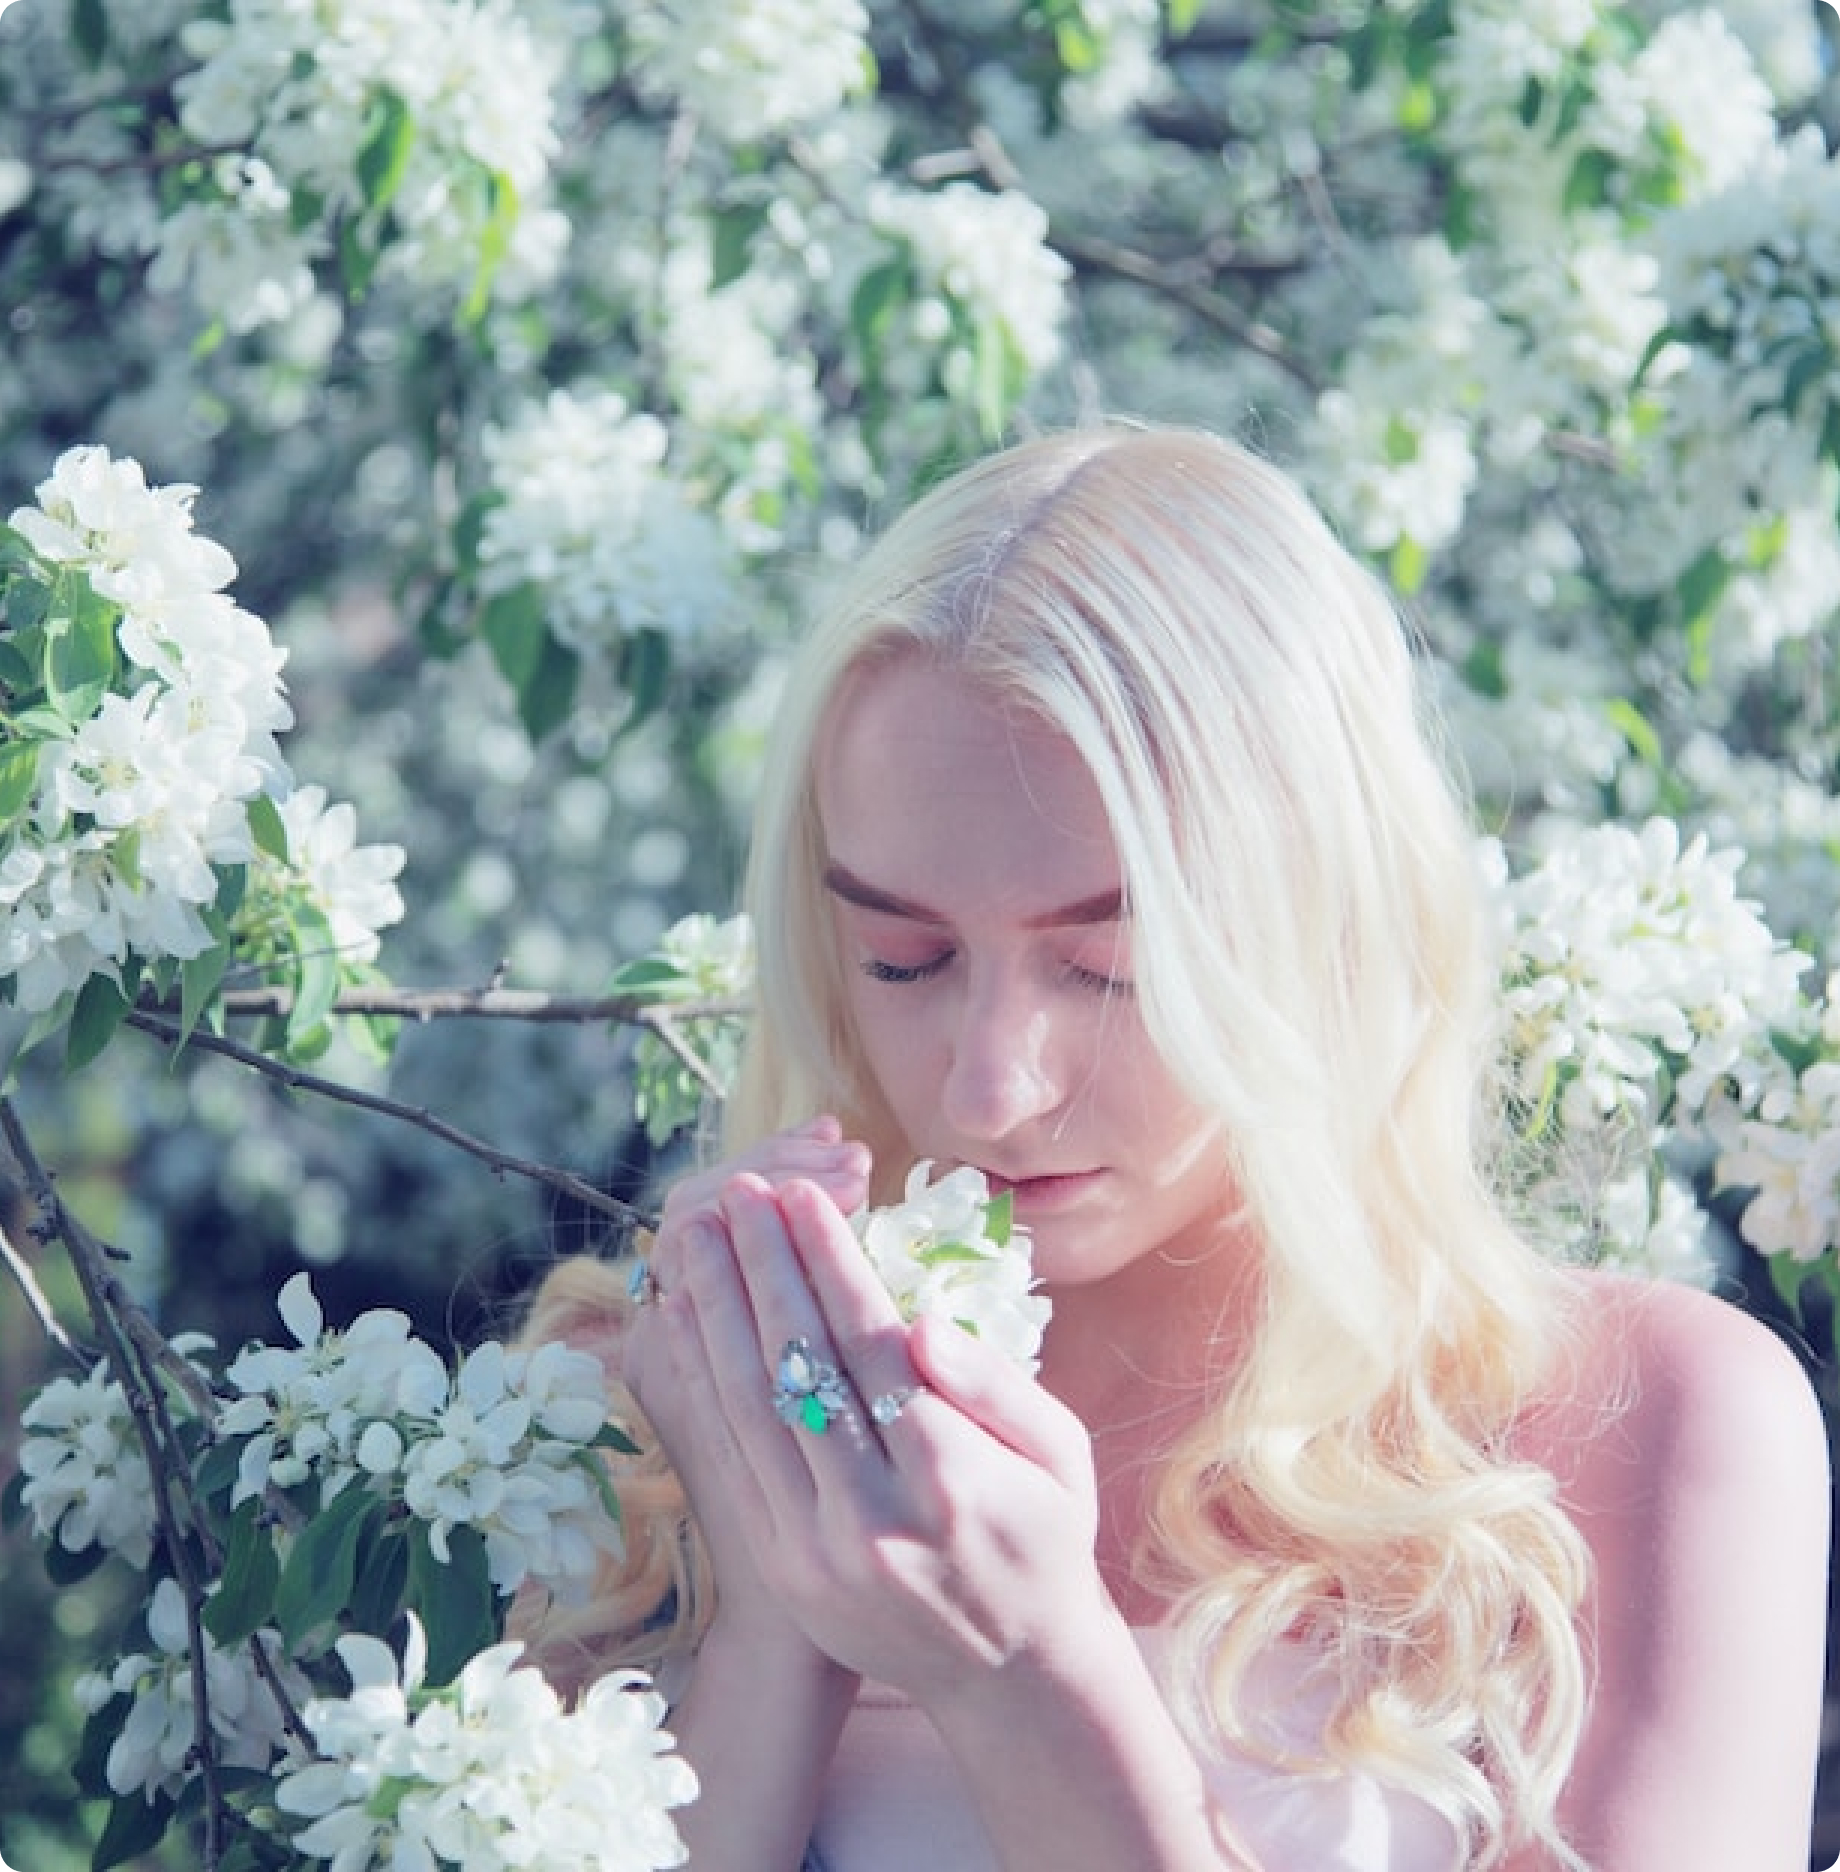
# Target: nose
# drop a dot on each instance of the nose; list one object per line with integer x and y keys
{"x": 1004, "y": 1069}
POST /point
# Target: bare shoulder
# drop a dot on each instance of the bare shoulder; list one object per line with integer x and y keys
{"x": 1690, "y": 1450}
{"x": 1680, "y": 1384}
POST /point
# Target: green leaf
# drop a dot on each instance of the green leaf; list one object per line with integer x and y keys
{"x": 992, "y": 376}
{"x": 89, "y": 1770}
{"x": 200, "y": 977}
{"x": 268, "y": 828}
{"x": 217, "y": 1467}
{"x": 547, "y": 694}
{"x": 652, "y": 976}
{"x": 382, "y": 1581}
{"x": 731, "y": 237}
{"x": 80, "y": 657}
{"x": 89, "y": 27}
{"x": 455, "y": 1599}
{"x": 383, "y": 157}
{"x": 645, "y": 674}
{"x": 1651, "y": 351}
{"x": 1180, "y": 16}
{"x": 612, "y": 1437}
{"x": 603, "y": 1482}
{"x": 358, "y": 256}
{"x": 18, "y": 777}
{"x": 28, "y": 604}
{"x": 878, "y": 294}
{"x": 494, "y": 244}
{"x": 317, "y": 1578}
{"x": 1635, "y": 728}
{"x": 99, "y": 1010}
{"x": 316, "y": 978}
{"x": 64, "y": 1568}
{"x": 1406, "y": 565}
{"x": 1703, "y": 583}
{"x": 513, "y": 625}
{"x": 251, "y": 1572}
{"x": 1000, "y": 1217}
{"x": 1588, "y": 184}
{"x": 135, "y": 1826}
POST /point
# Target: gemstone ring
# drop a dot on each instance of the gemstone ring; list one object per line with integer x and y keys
{"x": 886, "y": 1406}
{"x": 807, "y": 1390}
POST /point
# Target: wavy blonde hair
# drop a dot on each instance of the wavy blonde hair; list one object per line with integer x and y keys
{"x": 1308, "y": 952}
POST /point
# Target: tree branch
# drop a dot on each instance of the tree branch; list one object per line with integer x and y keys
{"x": 626, "y": 1216}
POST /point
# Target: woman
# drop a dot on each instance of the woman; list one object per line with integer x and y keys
{"x": 1102, "y": 849}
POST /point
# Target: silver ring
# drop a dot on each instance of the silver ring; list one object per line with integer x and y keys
{"x": 886, "y": 1406}
{"x": 642, "y": 1287}
{"x": 806, "y": 1390}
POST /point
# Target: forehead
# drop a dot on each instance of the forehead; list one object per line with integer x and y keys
{"x": 930, "y": 785}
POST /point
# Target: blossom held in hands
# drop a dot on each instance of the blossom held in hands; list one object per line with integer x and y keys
{"x": 949, "y": 1248}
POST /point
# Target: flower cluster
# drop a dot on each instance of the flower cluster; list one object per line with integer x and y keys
{"x": 140, "y": 766}
{"x": 752, "y": 68}
{"x": 155, "y": 1695}
{"x": 949, "y": 1249}
{"x": 489, "y": 1772}
{"x": 984, "y": 272}
{"x": 698, "y": 959}
{"x": 436, "y": 111}
{"x": 582, "y": 509}
{"x": 502, "y": 1446}
{"x": 84, "y": 1474}
{"x": 1644, "y": 999}
{"x": 1786, "y": 1153}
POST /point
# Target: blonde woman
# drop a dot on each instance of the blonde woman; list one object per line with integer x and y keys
{"x": 1102, "y": 848}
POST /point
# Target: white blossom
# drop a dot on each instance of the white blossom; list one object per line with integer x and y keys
{"x": 585, "y": 509}
{"x": 987, "y": 255}
{"x": 85, "y": 1473}
{"x": 948, "y": 1250}
{"x": 1788, "y": 1156}
{"x": 490, "y": 1772}
{"x": 353, "y": 886}
{"x": 153, "y": 1753}
{"x": 500, "y": 1446}
{"x": 137, "y": 809}
{"x": 301, "y": 90}
{"x": 751, "y": 68}
{"x": 1631, "y": 957}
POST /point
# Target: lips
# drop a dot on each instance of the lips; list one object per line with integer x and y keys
{"x": 1045, "y": 1186}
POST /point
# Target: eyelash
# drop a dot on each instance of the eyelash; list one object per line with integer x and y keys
{"x": 896, "y": 973}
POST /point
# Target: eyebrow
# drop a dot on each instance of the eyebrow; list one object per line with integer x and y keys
{"x": 1103, "y": 907}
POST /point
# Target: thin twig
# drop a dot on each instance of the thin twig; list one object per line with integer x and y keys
{"x": 296, "y": 1078}
{"x": 118, "y": 1319}
{"x": 1097, "y": 254}
{"x": 492, "y": 1002}
{"x": 49, "y": 1323}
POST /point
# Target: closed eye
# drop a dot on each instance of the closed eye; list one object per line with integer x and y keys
{"x": 878, "y": 970}
{"x": 1097, "y": 981}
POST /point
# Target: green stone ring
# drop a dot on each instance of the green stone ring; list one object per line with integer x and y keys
{"x": 806, "y": 1390}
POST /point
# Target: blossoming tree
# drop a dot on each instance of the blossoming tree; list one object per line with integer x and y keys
{"x": 537, "y": 362}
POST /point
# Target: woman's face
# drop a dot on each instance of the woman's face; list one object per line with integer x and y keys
{"x": 976, "y": 892}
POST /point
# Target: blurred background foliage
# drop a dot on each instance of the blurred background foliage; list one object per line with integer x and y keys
{"x": 538, "y": 372}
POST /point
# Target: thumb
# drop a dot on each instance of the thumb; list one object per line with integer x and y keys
{"x": 1001, "y": 1399}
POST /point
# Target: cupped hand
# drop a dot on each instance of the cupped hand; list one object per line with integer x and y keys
{"x": 665, "y": 1364}
{"x": 928, "y": 1551}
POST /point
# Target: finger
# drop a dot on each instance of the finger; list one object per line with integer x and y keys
{"x": 741, "y": 1366}
{"x": 1001, "y": 1399}
{"x": 795, "y": 1339}
{"x": 865, "y": 1324}
{"x": 816, "y": 1153}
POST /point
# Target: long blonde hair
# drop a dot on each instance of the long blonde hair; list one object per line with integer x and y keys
{"x": 1310, "y": 963}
